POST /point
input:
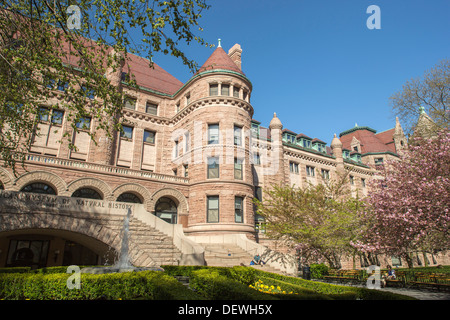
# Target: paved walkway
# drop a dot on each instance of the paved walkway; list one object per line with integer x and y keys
{"x": 418, "y": 294}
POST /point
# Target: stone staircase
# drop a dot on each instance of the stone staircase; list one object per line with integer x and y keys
{"x": 230, "y": 255}
{"x": 148, "y": 246}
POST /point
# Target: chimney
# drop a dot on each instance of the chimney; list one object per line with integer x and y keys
{"x": 235, "y": 54}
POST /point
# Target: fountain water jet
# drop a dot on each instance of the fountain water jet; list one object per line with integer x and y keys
{"x": 123, "y": 264}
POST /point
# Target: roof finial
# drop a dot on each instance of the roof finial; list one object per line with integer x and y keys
{"x": 356, "y": 124}
{"x": 421, "y": 109}
{"x": 219, "y": 46}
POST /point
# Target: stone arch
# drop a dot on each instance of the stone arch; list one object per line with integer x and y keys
{"x": 93, "y": 183}
{"x": 135, "y": 188}
{"x": 14, "y": 222}
{"x": 180, "y": 199}
{"x": 53, "y": 180}
{"x": 6, "y": 178}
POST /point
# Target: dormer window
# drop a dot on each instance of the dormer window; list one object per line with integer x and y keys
{"x": 255, "y": 130}
{"x": 306, "y": 143}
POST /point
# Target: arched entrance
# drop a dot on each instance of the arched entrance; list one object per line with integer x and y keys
{"x": 166, "y": 209}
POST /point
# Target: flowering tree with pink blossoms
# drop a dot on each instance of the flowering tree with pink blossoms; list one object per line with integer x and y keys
{"x": 409, "y": 206}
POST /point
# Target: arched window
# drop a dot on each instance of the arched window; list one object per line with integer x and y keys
{"x": 38, "y": 187}
{"x": 166, "y": 209}
{"x": 129, "y": 197}
{"x": 87, "y": 193}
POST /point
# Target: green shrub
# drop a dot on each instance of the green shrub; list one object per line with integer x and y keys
{"x": 215, "y": 286}
{"x": 15, "y": 270}
{"x": 333, "y": 290}
{"x": 128, "y": 285}
{"x": 318, "y": 271}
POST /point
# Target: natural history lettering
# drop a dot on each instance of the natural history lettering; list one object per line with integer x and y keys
{"x": 50, "y": 201}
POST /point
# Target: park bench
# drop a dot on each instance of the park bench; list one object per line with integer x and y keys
{"x": 343, "y": 275}
{"x": 400, "y": 280}
{"x": 434, "y": 280}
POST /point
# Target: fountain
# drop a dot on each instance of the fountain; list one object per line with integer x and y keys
{"x": 123, "y": 264}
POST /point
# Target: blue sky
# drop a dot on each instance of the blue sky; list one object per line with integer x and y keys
{"x": 317, "y": 65}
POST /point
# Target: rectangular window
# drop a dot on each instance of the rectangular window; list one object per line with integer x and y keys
{"x": 187, "y": 142}
{"x": 188, "y": 99}
{"x": 225, "y": 89}
{"x": 62, "y": 85}
{"x": 43, "y": 114}
{"x": 237, "y": 136}
{"x": 325, "y": 174}
{"x": 212, "y": 209}
{"x": 84, "y": 123}
{"x": 293, "y": 167}
{"x": 238, "y": 209}
{"x": 244, "y": 95}
{"x": 57, "y": 116}
{"x": 256, "y": 159}
{"x": 149, "y": 136}
{"x": 363, "y": 182}
{"x": 213, "y": 134}
{"x": 186, "y": 171}
{"x": 213, "y": 168}
{"x": 176, "y": 149}
{"x": 151, "y": 108}
{"x": 88, "y": 92}
{"x": 236, "y": 92}
{"x": 352, "y": 181}
{"x": 310, "y": 171}
{"x": 255, "y": 130}
{"x": 238, "y": 169}
{"x": 130, "y": 103}
{"x": 127, "y": 132}
{"x": 214, "y": 89}
{"x": 306, "y": 143}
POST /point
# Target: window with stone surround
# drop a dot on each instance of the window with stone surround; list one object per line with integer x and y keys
{"x": 225, "y": 90}
{"x": 235, "y": 92}
{"x": 325, "y": 174}
{"x": 238, "y": 209}
{"x": 310, "y": 171}
{"x": 149, "y": 136}
{"x": 293, "y": 167}
{"x": 129, "y": 103}
{"x": 213, "y": 168}
{"x": 127, "y": 132}
{"x": 212, "y": 209}
{"x": 238, "y": 173}
{"x": 87, "y": 193}
{"x": 237, "y": 136}
{"x": 151, "y": 108}
{"x": 213, "y": 89}
{"x": 213, "y": 133}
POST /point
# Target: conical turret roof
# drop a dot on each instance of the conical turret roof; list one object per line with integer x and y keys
{"x": 219, "y": 59}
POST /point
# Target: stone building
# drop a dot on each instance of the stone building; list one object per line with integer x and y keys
{"x": 188, "y": 164}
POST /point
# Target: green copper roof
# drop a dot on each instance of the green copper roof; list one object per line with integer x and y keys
{"x": 355, "y": 128}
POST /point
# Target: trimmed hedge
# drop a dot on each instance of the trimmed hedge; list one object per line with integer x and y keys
{"x": 216, "y": 283}
{"x": 336, "y": 291}
{"x": 126, "y": 286}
